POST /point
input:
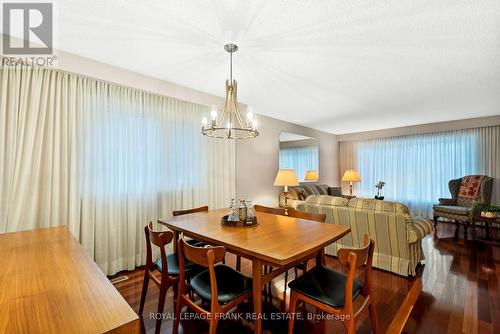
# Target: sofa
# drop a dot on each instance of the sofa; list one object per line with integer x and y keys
{"x": 297, "y": 194}
{"x": 397, "y": 235}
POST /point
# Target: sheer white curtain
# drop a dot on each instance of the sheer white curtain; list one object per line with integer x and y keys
{"x": 103, "y": 160}
{"x": 301, "y": 159}
{"x": 417, "y": 168}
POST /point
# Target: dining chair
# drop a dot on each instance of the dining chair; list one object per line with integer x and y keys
{"x": 274, "y": 211}
{"x": 319, "y": 217}
{"x": 220, "y": 285}
{"x": 167, "y": 265}
{"x": 266, "y": 209}
{"x": 176, "y": 213}
{"x": 334, "y": 292}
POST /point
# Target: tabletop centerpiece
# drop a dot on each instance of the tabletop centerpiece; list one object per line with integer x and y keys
{"x": 241, "y": 215}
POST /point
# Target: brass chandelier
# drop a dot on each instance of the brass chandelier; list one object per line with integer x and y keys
{"x": 229, "y": 124}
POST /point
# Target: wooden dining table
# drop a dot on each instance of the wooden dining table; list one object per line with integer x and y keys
{"x": 278, "y": 241}
{"x": 48, "y": 284}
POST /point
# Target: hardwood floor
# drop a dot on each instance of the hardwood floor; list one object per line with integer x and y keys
{"x": 460, "y": 294}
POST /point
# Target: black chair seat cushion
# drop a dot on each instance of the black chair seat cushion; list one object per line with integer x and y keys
{"x": 230, "y": 284}
{"x": 301, "y": 266}
{"x": 324, "y": 285}
{"x": 173, "y": 266}
{"x": 195, "y": 243}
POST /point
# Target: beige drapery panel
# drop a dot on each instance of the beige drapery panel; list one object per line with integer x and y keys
{"x": 102, "y": 159}
{"x": 489, "y": 157}
{"x": 474, "y": 150}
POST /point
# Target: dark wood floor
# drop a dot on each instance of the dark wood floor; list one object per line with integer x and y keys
{"x": 460, "y": 294}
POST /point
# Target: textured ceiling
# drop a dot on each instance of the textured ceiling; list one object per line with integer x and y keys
{"x": 338, "y": 66}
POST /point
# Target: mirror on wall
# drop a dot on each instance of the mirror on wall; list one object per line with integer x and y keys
{"x": 300, "y": 153}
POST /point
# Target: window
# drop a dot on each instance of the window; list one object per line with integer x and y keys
{"x": 301, "y": 159}
{"x": 416, "y": 169}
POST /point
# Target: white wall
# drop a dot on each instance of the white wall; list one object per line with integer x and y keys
{"x": 257, "y": 160}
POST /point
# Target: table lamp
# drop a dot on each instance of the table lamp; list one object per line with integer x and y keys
{"x": 311, "y": 175}
{"x": 351, "y": 175}
{"x": 285, "y": 178}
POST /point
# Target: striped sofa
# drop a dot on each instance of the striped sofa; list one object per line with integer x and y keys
{"x": 397, "y": 235}
{"x": 297, "y": 194}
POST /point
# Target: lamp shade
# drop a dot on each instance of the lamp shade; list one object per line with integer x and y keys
{"x": 286, "y": 177}
{"x": 351, "y": 175}
{"x": 311, "y": 175}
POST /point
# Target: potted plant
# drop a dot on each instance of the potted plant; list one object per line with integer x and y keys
{"x": 487, "y": 211}
{"x": 379, "y": 187}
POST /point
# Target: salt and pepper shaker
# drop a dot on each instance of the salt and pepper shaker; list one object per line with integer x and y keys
{"x": 233, "y": 212}
{"x": 242, "y": 210}
{"x": 250, "y": 210}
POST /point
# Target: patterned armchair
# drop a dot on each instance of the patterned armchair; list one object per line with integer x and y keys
{"x": 459, "y": 207}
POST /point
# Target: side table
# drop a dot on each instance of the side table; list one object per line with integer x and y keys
{"x": 488, "y": 224}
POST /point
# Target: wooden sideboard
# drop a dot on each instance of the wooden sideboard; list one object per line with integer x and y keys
{"x": 48, "y": 284}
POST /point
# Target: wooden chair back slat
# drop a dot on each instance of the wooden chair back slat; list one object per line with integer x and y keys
{"x": 318, "y": 217}
{"x": 159, "y": 238}
{"x": 274, "y": 211}
{"x": 149, "y": 251}
{"x": 362, "y": 254}
{"x": 199, "y": 255}
{"x": 355, "y": 258}
{"x": 186, "y": 212}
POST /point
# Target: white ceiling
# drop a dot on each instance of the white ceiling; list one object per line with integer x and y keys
{"x": 338, "y": 66}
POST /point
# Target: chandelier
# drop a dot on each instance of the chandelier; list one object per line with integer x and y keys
{"x": 229, "y": 124}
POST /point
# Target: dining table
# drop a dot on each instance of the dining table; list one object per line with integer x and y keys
{"x": 278, "y": 241}
{"x": 48, "y": 284}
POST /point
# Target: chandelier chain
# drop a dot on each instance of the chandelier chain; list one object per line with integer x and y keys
{"x": 229, "y": 124}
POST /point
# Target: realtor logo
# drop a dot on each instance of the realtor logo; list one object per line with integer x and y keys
{"x": 32, "y": 23}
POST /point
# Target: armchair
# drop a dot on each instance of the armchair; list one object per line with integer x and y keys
{"x": 459, "y": 206}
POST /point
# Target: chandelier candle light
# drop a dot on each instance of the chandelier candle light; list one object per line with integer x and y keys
{"x": 229, "y": 124}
